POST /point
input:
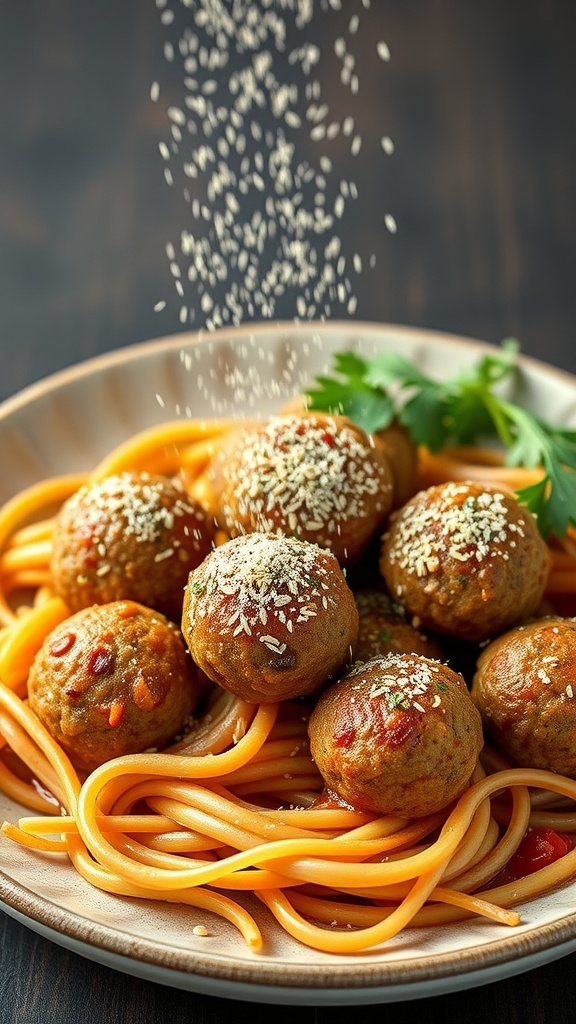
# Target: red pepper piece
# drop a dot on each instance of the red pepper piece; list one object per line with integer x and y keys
{"x": 538, "y": 848}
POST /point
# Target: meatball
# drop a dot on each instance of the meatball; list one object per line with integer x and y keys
{"x": 402, "y": 455}
{"x": 465, "y": 559}
{"x": 268, "y": 617}
{"x": 130, "y": 536}
{"x": 384, "y": 629}
{"x": 110, "y": 680}
{"x": 397, "y": 735}
{"x": 525, "y": 689}
{"x": 398, "y": 446}
{"x": 317, "y": 477}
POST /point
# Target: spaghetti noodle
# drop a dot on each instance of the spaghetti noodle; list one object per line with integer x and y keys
{"x": 236, "y": 805}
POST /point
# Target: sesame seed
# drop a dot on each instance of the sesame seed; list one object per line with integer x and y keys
{"x": 236, "y": 64}
{"x": 257, "y": 571}
{"x": 140, "y": 509}
{"x": 310, "y": 478}
{"x": 399, "y": 680}
{"x": 467, "y": 528}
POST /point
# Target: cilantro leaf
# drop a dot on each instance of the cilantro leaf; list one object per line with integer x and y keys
{"x": 464, "y": 409}
{"x": 349, "y": 394}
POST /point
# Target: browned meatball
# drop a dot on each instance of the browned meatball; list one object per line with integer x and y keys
{"x": 465, "y": 559}
{"x": 398, "y": 735}
{"x": 112, "y": 679}
{"x": 384, "y": 629}
{"x": 525, "y": 689}
{"x": 402, "y": 455}
{"x": 269, "y": 617}
{"x": 395, "y": 440}
{"x": 318, "y": 477}
{"x": 133, "y": 536}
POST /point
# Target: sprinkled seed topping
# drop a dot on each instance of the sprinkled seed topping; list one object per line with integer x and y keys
{"x": 310, "y": 473}
{"x": 400, "y": 680}
{"x": 257, "y": 153}
{"x": 271, "y": 581}
{"x": 469, "y": 530}
{"x": 140, "y": 506}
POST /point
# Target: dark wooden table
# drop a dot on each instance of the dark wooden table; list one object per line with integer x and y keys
{"x": 480, "y": 102}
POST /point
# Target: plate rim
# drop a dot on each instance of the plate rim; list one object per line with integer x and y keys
{"x": 152, "y": 346}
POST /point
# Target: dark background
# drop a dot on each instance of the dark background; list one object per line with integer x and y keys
{"x": 480, "y": 101}
{"x": 478, "y": 98}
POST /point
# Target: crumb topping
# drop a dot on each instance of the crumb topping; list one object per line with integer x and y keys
{"x": 264, "y": 581}
{"x": 458, "y": 524}
{"x": 314, "y": 473}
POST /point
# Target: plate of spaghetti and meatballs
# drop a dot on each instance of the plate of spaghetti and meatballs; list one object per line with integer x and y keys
{"x": 288, "y": 662}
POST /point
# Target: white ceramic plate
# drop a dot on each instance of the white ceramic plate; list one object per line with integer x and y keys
{"x": 68, "y": 423}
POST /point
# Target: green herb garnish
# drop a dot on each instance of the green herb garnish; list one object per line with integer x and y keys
{"x": 398, "y": 700}
{"x": 463, "y": 410}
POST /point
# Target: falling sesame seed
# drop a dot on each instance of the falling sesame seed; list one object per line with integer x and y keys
{"x": 390, "y": 223}
{"x": 383, "y": 50}
{"x": 230, "y": 74}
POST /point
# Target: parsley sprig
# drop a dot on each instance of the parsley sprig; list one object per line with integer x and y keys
{"x": 467, "y": 408}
